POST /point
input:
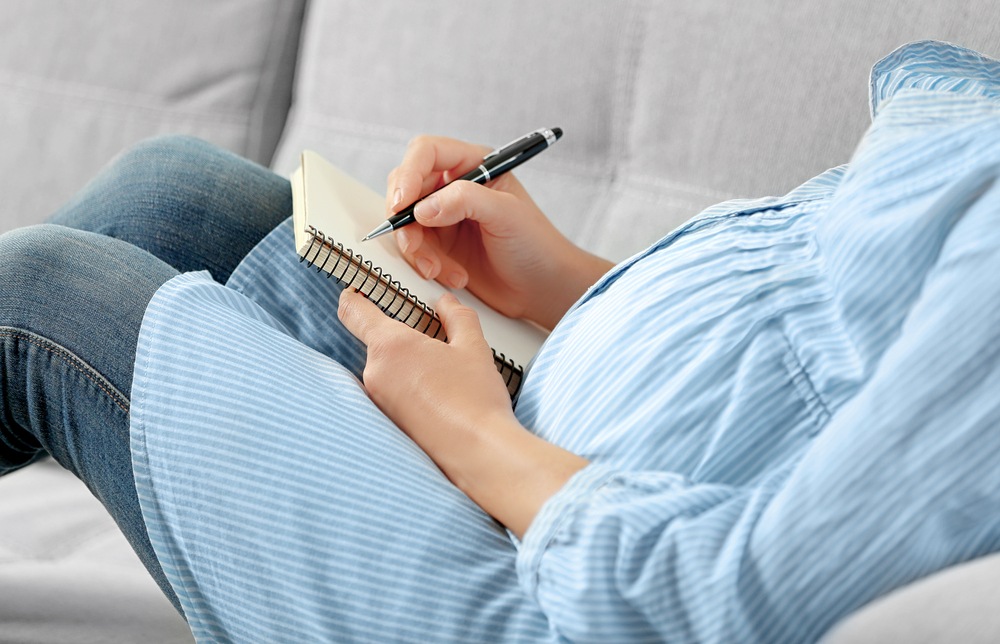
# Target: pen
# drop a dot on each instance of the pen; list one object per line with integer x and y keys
{"x": 494, "y": 164}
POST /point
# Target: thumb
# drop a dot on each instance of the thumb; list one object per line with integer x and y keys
{"x": 491, "y": 207}
{"x": 361, "y": 317}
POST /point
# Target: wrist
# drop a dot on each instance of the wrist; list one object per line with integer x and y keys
{"x": 574, "y": 272}
{"x": 510, "y": 472}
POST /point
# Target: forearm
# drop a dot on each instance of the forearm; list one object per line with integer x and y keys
{"x": 508, "y": 471}
{"x": 454, "y": 405}
{"x": 574, "y": 271}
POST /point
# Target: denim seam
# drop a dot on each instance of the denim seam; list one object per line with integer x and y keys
{"x": 70, "y": 359}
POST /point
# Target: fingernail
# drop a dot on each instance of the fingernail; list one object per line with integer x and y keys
{"x": 397, "y": 197}
{"x": 428, "y": 208}
{"x": 425, "y": 265}
{"x": 404, "y": 239}
{"x": 456, "y": 280}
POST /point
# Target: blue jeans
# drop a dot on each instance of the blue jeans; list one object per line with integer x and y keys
{"x": 73, "y": 293}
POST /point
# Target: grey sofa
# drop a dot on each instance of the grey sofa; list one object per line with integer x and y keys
{"x": 667, "y": 107}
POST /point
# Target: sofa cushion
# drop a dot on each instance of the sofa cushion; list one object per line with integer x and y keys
{"x": 955, "y": 605}
{"x": 667, "y": 107}
{"x": 80, "y": 81}
{"x": 67, "y": 574}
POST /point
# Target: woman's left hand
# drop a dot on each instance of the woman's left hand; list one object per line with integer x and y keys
{"x": 451, "y": 400}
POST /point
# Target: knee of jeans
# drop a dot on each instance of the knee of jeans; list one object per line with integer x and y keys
{"x": 29, "y": 257}
{"x": 177, "y": 185}
{"x": 155, "y": 156}
{"x": 23, "y": 250}
{"x": 158, "y": 189}
{"x": 149, "y": 181}
{"x": 172, "y": 145}
{"x": 47, "y": 269}
{"x": 175, "y": 174}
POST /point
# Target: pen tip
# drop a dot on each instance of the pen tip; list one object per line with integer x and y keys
{"x": 381, "y": 229}
{"x": 557, "y": 131}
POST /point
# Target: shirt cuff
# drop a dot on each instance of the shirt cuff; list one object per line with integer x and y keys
{"x": 545, "y": 527}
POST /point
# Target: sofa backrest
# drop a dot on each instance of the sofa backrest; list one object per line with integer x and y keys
{"x": 80, "y": 81}
{"x": 667, "y": 106}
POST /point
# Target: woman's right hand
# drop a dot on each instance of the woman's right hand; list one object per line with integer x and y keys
{"x": 491, "y": 239}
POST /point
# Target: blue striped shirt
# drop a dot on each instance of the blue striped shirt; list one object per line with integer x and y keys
{"x": 790, "y": 405}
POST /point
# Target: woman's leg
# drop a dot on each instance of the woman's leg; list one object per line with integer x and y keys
{"x": 191, "y": 204}
{"x": 71, "y": 303}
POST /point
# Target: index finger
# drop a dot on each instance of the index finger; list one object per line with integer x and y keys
{"x": 426, "y": 162}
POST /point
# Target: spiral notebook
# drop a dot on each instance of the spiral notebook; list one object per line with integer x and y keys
{"x": 332, "y": 211}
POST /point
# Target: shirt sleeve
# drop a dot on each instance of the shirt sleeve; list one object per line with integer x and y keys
{"x": 901, "y": 482}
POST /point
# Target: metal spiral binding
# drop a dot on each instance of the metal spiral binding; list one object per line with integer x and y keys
{"x": 509, "y": 371}
{"x": 367, "y": 276}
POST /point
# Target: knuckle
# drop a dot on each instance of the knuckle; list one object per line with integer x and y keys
{"x": 505, "y": 182}
{"x": 383, "y": 347}
{"x": 458, "y": 198}
{"x": 461, "y": 189}
{"x": 466, "y": 313}
{"x": 372, "y": 376}
{"x": 346, "y": 308}
{"x": 419, "y": 141}
{"x": 375, "y": 360}
{"x": 465, "y": 318}
{"x": 483, "y": 346}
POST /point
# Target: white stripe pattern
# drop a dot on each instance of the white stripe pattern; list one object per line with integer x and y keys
{"x": 790, "y": 405}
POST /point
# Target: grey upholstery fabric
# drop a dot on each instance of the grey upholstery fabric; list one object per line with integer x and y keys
{"x": 956, "y": 605}
{"x": 80, "y": 81}
{"x": 66, "y": 572}
{"x": 667, "y": 107}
